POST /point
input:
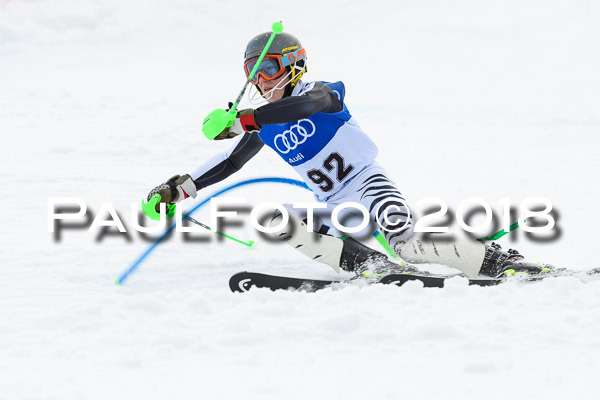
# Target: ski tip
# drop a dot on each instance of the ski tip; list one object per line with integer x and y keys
{"x": 240, "y": 282}
{"x": 250, "y": 243}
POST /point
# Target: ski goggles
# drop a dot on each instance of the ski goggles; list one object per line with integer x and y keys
{"x": 273, "y": 65}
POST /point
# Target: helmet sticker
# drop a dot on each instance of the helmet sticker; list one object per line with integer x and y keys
{"x": 293, "y": 57}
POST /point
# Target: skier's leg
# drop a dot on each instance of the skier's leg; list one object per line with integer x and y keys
{"x": 388, "y": 208}
{"x": 348, "y": 254}
{"x": 386, "y": 205}
{"x": 379, "y": 195}
{"x": 467, "y": 255}
{"x": 319, "y": 247}
{"x": 372, "y": 189}
{"x": 464, "y": 254}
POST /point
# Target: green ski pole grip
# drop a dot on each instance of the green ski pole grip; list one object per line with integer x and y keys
{"x": 149, "y": 208}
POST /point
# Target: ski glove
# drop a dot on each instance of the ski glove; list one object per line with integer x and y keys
{"x": 247, "y": 121}
{"x": 174, "y": 190}
{"x": 244, "y": 122}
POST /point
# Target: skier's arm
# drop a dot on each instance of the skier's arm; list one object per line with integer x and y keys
{"x": 319, "y": 99}
{"x": 223, "y": 165}
{"x": 214, "y": 170}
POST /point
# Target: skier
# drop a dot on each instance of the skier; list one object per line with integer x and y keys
{"x": 310, "y": 127}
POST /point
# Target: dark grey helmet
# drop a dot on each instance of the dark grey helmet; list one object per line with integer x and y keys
{"x": 283, "y": 44}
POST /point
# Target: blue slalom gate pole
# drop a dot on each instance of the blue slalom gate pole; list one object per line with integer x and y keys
{"x": 134, "y": 266}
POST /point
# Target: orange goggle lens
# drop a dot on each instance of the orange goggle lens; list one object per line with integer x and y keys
{"x": 270, "y": 68}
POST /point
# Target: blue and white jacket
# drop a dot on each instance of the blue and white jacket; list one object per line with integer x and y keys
{"x": 312, "y": 130}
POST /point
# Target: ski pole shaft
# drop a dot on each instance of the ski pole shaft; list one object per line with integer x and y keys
{"x": 250, "y": 243}
{"x": 381, "y": 240}
{"x": 500, "y": 233}
{"x": 239, "y": 98}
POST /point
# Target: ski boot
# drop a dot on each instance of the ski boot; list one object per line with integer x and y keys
{"x": 498, "y": 263}
{"x": 366, "y": 262}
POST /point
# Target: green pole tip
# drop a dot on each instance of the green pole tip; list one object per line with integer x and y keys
{"x": 277, "y": 27}
{"x": 118, "y": 282}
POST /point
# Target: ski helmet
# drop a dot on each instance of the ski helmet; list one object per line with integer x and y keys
{"x": 287, "y": 55}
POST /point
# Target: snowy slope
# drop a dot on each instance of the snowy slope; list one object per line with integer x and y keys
{"x": 103, "y": 100}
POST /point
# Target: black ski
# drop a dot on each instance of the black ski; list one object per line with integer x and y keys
{"x": 244, "y": 281}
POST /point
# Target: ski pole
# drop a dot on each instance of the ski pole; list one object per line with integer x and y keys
{"x": 381, "y": 240}
{"x": 250, "y": 243}
{"x": 500, "y": 233}
{"x": 219, "y": 119}
{"x": 276, "y": 28}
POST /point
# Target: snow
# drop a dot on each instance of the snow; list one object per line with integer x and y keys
{"x": 102, "y": 100}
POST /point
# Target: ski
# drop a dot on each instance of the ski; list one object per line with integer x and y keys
{"x": 439, "y": 280}
{"x": 244, "y": 281}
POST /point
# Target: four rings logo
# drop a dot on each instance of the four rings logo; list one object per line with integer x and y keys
{"x": 297, "y": 134}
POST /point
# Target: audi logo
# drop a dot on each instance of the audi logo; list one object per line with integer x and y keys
{"x": 290, "y": 139}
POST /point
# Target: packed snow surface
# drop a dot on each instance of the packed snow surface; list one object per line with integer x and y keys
{"x": 103, "y": 100}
